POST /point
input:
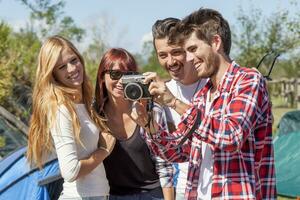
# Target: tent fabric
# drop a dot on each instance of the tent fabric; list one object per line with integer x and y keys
{"x": 13, "y": 137}
{"x": 19, "y": 181}
{"x": 290, "y": 122}
{"x": 287, "y": 155}
{"x": 11, "y": 159}
{"x": 287, "y": 162}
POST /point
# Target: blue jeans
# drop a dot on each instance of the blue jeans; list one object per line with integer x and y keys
{"x": 84, "y": 198}
{"x": 155, "y": 194}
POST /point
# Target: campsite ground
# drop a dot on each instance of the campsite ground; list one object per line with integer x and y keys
{"x": 279, "y": 108}
{"x": 284, "y": 198}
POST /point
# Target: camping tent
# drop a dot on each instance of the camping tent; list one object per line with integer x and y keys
{"x": 287, "y": 155}
{"x": 19, "y": 181}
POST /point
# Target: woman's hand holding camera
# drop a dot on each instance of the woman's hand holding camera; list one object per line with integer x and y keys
{"x": 139, "y": 113}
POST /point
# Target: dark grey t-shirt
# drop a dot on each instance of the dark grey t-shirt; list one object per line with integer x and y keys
{"x": 130, "y": 168}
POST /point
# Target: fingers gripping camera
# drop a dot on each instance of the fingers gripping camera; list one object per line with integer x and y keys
{"x": 135, "y": 88}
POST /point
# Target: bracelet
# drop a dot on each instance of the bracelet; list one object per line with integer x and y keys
{"x": 105, "y": 149}
{"x": 147, "y": 125}
{"x": 173, "y": 106}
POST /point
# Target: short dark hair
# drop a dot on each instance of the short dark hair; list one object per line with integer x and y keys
{"x": 163, "y": 28}
{"x": 206, "y": 23}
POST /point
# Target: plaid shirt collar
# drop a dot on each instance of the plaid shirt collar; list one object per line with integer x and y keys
{"x": 225, "y": 81}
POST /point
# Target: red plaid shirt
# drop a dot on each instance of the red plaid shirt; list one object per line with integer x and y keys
{"x": 238, "y": 129}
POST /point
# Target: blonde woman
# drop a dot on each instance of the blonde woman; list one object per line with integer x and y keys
{"x": 63, "y": 121}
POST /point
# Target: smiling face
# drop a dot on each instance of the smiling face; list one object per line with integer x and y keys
{"x": 114, "y": 87}
{"x": 173, "y": 59}
{"x": 68, "y": 70}
{"x": 202, "y": 56}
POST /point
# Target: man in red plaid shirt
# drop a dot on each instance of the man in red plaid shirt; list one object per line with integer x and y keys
{"x": 226, "y": 132}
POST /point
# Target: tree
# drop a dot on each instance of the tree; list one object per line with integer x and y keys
{"x": 257, "y": 36}
{"x": 18, "y": 61}
{"x": 19, "y": 52}
{"x": 50, "y": 19}
{"x": 101, "y": 32}
{"x": 95, "y": 51}
{"x": 153, "y": 64}
{"x": 5, "y": 62}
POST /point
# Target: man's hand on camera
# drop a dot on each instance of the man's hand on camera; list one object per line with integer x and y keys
{"x": 158, "y": 89}
{"x": 162, "y": 94}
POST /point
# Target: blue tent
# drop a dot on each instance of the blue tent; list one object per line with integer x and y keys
{"x": 287, "y": 155}
{"x": 19, "y": 181}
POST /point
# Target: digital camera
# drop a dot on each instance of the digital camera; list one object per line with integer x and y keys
{"x": 134, "y": 87}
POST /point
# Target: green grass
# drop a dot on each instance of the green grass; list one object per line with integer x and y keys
{"x": 284, "y": 198}
{"x": 279, "y": 108}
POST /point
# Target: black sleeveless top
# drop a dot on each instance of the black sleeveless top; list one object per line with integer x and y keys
{"x": 130, "y": 168}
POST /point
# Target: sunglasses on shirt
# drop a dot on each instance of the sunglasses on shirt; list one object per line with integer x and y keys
{"x": 117, "y": 74}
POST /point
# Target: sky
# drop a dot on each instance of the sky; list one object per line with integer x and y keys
{"x": 130, "y": 21}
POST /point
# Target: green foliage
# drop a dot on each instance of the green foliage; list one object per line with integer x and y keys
{"x": 51, "y": 20}
{"x": 248, "y": 39}
{"x": 19, "y": 52}
{"x": 5, "y": 62}
{"x": 18, "y": 64}
{"x": 93, "y": 55}
{"x": 5, "y": 31}
{"x": 5, "y": 81}
{"x": 256, "y": 35}
{"x": 26, "y": 44}
{"x": 68, "y": 28}
{"x": 153, "y": 64}
{"x": 2, "y": 142}
{"x": 288, "y": 68}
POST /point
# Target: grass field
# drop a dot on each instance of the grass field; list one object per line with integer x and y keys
{"x": 284, "y": 198}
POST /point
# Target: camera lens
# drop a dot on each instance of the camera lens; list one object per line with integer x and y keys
{"x": 133, "y": 91}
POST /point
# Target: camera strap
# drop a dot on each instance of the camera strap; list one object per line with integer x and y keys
{"x": 191, "y": 131}
{"x": 150, "y": 105}
{"x": 149, "y": 108}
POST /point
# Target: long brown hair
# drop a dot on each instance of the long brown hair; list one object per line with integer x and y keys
{"x": 48, "y": 95}
{"x": 113, "y": 56}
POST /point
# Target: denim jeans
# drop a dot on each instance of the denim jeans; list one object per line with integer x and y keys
{"x": 83, "y": 198}
{"x": 155, "y": 194}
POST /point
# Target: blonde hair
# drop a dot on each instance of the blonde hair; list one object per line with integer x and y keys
{"x": 48, "y": 95}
